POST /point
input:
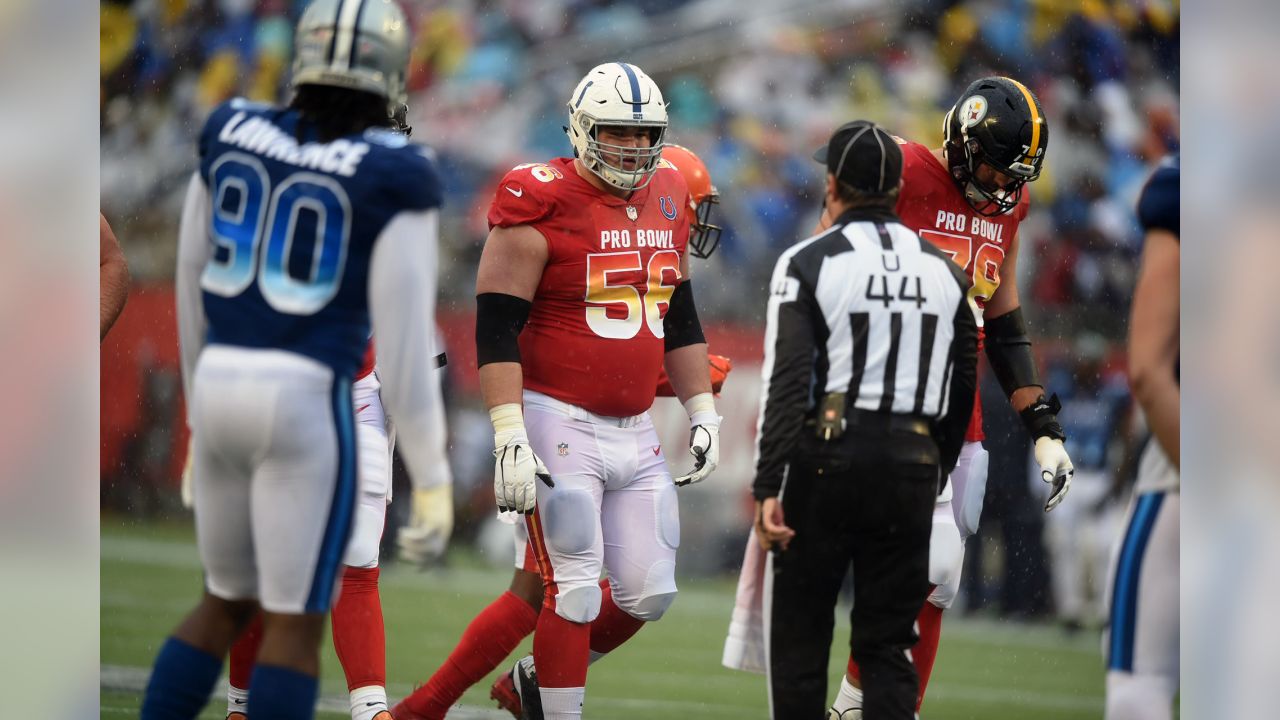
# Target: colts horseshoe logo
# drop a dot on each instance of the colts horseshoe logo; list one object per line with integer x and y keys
{"x": 668, "y": 207}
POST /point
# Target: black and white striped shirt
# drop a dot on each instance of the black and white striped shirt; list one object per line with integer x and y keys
{"x": 870, "y": 309}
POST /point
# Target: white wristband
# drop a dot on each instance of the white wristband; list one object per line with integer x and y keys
{"x": 702, "y": 410}
{"x": 508, "y": 423}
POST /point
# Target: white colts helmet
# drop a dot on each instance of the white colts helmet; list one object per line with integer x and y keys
{"x": 354, "y": 44}
{"x": 617, "y": 94}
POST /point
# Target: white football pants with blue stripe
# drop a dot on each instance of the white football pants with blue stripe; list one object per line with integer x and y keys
{"x": 274, "y": 476}
{"x": 1142, "y": 639}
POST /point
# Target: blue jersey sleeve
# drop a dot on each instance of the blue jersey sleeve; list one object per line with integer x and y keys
{"x": 407, "y": 171}
{"x": 1159, "y": 205}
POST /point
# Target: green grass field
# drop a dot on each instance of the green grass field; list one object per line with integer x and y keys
{"x": 985, "y": 670}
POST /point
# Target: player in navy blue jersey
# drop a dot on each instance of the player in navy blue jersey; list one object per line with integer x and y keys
{"x": 304, "y": 228}
{"x": 1142, "y": 636}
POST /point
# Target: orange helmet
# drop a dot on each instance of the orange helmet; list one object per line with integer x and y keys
{"x": 703, "y": 236}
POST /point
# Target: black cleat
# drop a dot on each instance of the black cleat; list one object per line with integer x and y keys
{"x": 525, "y": 676}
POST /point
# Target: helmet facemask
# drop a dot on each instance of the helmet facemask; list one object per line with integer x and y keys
{"x": 704, "y": 237}
{"x": 989, "y": 198}
{"x": 617, "y": 95}
{"x": 643, "y": 160}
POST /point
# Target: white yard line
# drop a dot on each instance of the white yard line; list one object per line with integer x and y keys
{"x": 134, "y": 679}
{"x": 119, "y": 678}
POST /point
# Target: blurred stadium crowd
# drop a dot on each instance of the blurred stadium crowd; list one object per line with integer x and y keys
{"x": 754, "y": 86}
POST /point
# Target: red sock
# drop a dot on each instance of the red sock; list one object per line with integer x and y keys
{"x": 854, "y": 672}
{"x": 245, "y": 652}
{"x": 613, "y": 626}
{"x": 560, "y": 651}
{"x": 926, "y": 649}
{"x": 358, "y": 634}
{"x": 486, "y": 642}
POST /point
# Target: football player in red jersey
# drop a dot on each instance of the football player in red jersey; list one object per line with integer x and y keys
{"x": 968, "y": 198}
{"x": 587, "y": 266}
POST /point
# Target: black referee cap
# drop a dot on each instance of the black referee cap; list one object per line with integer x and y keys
{"x": 863, "y": 156}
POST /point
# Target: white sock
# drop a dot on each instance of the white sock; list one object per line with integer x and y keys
{"x": 562, "y": 703}
{"x": 849, "y": 697}
{"x": 237, "y": 700}
{"x": 1138, "y": 697}
{"x": 368, "y": 701}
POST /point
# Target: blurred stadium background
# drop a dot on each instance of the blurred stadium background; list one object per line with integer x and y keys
{"x": 754, "y": 87}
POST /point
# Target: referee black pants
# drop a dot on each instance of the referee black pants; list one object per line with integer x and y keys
{"x": 868, "y": 498}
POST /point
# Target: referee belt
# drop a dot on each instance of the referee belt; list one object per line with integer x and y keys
{"x": 857, "y": 418}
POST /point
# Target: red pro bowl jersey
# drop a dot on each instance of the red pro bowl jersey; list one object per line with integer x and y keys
{"x": 594, "y": 336}
{"x": 931, "y": 204}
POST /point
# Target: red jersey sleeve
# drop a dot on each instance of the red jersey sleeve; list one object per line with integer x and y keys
{"x": 521, "y": 199}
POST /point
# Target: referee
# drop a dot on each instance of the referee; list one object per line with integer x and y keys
{"x": 869, "y": 372}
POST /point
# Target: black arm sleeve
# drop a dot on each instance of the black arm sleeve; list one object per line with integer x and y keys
{"x": 964, "y": 380}
{"x": 1009, "y": 351}
{"x": 790, "y": 342}
{"x": 680, "y": 326}
{"x": 499, "y": 320}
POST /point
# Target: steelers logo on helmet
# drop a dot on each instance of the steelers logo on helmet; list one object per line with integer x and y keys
{"x": 618, "y": 95}
{"x": 973, "y": 111}
{"x": 996, "y": 137}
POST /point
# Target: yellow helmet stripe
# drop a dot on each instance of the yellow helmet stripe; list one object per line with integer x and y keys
{"x": 1036, "y": 121}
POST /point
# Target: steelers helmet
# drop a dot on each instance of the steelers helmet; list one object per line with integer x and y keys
{"x": 354, "y": 44}
{"x": 617, "y": 94}
{"x": 996, "y": 122}
{"x": 704, "y": 237}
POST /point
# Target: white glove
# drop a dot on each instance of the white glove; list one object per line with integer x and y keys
{"x": 515, "y": 465}
{"x": 1055, "y": 468}
{"x": 704, "y": 438}
{"x": 424, "y": 539}
{"x": 188, "y": 492}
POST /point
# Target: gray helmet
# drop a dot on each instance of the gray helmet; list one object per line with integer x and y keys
{"x": 354, "y": 44}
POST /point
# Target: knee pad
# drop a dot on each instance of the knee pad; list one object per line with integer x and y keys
{"x": 1138, "y": 697}
{"x": 655, "y": 597}
{"x": 568, "y": 521}
{"x": 578, "y": 604}
{"x": 668, "y": 509}
{"x": 971, "y": 490}
{"x": 366, "y": 533}
{"x": 946, "y": 559}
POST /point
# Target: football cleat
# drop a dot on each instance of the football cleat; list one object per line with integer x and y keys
{"x": 525, "y": 678}
{"x": 505, "y": 693}
{"x": 850, "y": 714}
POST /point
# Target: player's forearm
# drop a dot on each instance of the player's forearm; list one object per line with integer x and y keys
{"x": 1023, "y": 397}
{"x": 113, "y": 284}
{"x": 113, "y": 277}
{"x": 688, "y": 371}
{"x": 501, "y": 383}
{"x": 1161, "y": 399}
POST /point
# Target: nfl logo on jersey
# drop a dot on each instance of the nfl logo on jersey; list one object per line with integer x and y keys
{"x": 562, "y": 449}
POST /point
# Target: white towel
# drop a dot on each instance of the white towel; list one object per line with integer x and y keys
{"x": 744, "y": 648}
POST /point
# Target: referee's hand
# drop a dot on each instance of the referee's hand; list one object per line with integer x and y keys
{"x": 771, "y": 528}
